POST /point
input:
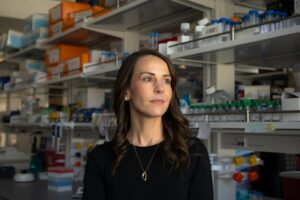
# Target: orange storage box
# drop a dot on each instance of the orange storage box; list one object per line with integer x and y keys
{"x": 62, "y": 52}
{"x": 56, "y": 28}
{"x": 62, "y": 10}
{"x": 99, "y": 11}
{"x": 75, "y": 65}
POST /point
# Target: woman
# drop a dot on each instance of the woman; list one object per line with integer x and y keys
{"x": 152, "y": 155}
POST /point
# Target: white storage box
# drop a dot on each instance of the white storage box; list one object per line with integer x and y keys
{"x": 256, "y": 91}
{"x": 35, "y": 22}
{"x": 15, "y": 39}
{"x": 291, "y": 101}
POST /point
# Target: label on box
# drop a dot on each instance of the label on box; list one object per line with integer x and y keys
{"x": 260, "y": 127}
{"x": 57, "y": 27}
{"x": 55, "y": 13}
{"x": 212, "y": 29}
{"x": 53, "y": 56}
{"x": 81, "y": 15}
{"x": 73, "y": 64}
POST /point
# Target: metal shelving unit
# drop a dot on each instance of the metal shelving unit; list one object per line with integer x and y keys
{"x": 276, "y": 49}
{"x": 141, "y": 15}
{"x": 35, "y": 51}
{"x": 81, "y": 34}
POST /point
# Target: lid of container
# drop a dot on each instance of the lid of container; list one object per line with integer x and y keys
{"x": 215, "y": 21}
{"x": 210, "y": 90}
{"x": 199, "y": 28}
{"x": 184, "y": 26}
{"x": 270, "y": 12}
{"x": 246, "y": 17}
{"x": 203, "y": 21}
{"x": 253, "y": 12}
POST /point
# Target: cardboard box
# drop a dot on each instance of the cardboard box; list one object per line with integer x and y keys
{"x": 75, "y": 65}
{"x": 34, "y": 65}
{"x": 290, "y": 101}
{"x": 99, "y": 11}
{"x": 89, "y": 97}
{"x": 61, "y": 53}
{"x": 54, "y": 72}
{"x": 56, "y": 28}
{"x": 62, "y": 10}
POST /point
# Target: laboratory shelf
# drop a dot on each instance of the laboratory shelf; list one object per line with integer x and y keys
{"x": 35, "y": 51}
{"x": 80, "y": 34}
{"x": 149, "y": 15}
{"x": 242, "y": 125}
{"x": 277, "y": 49}
{"x": 101, "y": 74}
{"x": 5, "y": 64}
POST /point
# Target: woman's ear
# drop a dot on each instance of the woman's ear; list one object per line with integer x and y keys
{"x": 127, "y": 96}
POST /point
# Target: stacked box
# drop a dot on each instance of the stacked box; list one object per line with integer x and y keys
{"x": 62, "y": 10}
{"x": 35, "y": 22}
{"x": 59, "y": 14}
{"x": 60, "y": 179}
{"x": 66, "y": 14}
{"x": 15, "y": 39}
{"x": 75, "y": 65}
{"x": 62, "y": 52}
{"x": 58, "y": 59}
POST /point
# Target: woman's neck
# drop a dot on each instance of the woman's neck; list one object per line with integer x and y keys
{"x": 146, "y": 132}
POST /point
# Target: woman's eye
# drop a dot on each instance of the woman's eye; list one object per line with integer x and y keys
{"x": 168, "y": 81}
{"x": 147, "y": 79}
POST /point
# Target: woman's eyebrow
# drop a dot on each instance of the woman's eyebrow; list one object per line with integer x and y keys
{"x": 152, "y": 74}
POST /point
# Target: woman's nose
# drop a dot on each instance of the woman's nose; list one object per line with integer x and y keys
{"x": 159, "y": 87}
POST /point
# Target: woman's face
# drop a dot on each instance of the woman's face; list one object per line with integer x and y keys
{"x": 150, "y": 90}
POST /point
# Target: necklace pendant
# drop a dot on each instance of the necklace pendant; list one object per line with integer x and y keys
{"x": 144, "y": 176}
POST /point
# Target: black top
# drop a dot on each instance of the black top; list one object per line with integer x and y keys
{"x": 127, "y": 183}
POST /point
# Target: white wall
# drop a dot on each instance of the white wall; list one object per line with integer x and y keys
{"x": 23, "y": 8}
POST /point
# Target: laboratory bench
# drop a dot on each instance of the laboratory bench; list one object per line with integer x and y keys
{"x": 36, "y": 190}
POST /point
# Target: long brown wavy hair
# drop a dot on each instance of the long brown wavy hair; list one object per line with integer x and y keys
{"x": 175, "y": 148}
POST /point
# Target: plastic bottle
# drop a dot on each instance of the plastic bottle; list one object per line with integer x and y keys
{"x": 285, "y": 23}
{"x": 215, "y": 39}
{"x": 198, "y": 34}
{"x": 254, "y": 20}
{"x": 185, "y": 35}
{"x": 154, "y": 40}
{"x": 277, "y": 107}
{"x": 253, "y": 17}
{"x": 225, "y": 27}
{"x": 270, "y": 16}
{"x": 245, "y": 23}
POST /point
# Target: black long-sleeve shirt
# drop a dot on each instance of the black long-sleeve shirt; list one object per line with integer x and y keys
{"x": 127, "y": 183}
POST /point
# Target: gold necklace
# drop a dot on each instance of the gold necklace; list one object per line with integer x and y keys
{"x": 144, "y": 174}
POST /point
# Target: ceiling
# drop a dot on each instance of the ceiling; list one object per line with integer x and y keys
{"x": 11, "y": 23}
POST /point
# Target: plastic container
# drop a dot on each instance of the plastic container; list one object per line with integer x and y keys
{"x": 185, "y": 35}
{"x": 198, "y": 34}
{"x": 214, "y": 96}
{"x": 270, "y": 16}
{"x": 153, "y": 40}
{"x": 225, "y": 27}
{"x": 291, "y": 184}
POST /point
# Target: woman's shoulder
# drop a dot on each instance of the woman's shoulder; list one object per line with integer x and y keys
{"x": 104, "y": 150}
{"x": 196, "y": 147}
